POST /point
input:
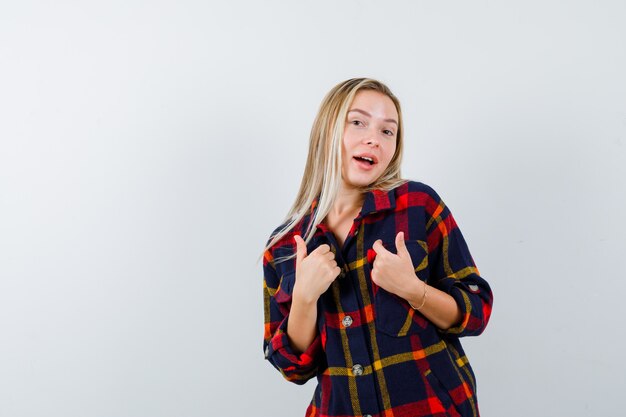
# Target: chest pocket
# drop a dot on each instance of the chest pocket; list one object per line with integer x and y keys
{"x": 393, "y": 315}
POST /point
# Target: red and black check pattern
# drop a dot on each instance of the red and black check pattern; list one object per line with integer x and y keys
{"x": 374, "y": 355}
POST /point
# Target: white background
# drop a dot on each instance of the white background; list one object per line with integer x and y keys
{"x": 148, "y": 148}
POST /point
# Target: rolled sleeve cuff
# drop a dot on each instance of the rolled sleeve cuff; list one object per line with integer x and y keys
{"x": 296, "y": 367}
{"x": 469, "y": 301}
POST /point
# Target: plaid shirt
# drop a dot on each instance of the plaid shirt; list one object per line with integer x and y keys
{"x": 373, "y": 354}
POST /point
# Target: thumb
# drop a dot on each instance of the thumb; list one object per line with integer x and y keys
{"x": 401, "y": 245}
{"x": 301, "y": 251}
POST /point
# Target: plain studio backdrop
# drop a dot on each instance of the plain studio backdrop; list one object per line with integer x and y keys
{"x": 149, "y": 148}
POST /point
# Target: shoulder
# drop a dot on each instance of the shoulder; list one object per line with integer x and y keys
{"x": 283, "y": 240}
{"x": 418, "y": 186}
{"x": 416, "y": 192}
{"x": 285, "y": 245}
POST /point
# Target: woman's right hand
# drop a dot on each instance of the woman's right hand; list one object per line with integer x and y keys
{"x": 314, "y": 272}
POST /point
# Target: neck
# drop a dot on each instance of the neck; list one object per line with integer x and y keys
{"x": 348, "y": 200}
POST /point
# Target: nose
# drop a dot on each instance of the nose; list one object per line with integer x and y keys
{"x": 371, "y": 139}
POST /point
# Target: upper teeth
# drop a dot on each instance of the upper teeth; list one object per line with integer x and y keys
{"x": 367, "y": 158}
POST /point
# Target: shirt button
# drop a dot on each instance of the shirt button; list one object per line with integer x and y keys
{"x": 367, "y": 415}
{"x": 347, "y": 321}
{"x": 356, "y": 232}
{"x": 357, "y": 370}
{"x": 267, "y": 351}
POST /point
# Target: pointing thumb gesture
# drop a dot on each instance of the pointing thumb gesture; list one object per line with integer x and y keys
{"x": 402, "y": 252}
{"x": 301, "y": 251}
{"x": 395, "y": 272}
{"x": 314, "y": 272}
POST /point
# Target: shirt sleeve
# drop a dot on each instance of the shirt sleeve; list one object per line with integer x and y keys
{"x": 452, "y": 269}
{"x": 295, "y": 367}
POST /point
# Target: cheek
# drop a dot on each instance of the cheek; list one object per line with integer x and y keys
{"x": 389, "y": 151}
{"x": 349, "y": 140}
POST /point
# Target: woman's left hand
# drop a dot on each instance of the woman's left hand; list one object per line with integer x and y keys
{"x": 394, "y": 272}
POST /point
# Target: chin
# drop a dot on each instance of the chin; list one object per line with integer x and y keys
{"x": 361, "y": 182}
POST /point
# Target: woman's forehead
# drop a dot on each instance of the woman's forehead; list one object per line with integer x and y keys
{"x": 373, "y": 103}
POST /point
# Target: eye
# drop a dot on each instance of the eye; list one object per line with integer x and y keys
{"x": 388, "y": 132}
{"x": 356, "y": 122}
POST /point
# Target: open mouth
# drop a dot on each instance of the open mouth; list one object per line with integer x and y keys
{"x": 365, "y": 159}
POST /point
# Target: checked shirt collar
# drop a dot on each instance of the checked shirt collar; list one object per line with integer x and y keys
{"x": 375, "y": 201}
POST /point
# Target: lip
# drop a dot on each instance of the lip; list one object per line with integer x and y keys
{"x": 363, "y": 165}
{"x": 368, "y": 155}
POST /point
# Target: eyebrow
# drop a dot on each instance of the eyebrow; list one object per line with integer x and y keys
{"x": 369, "y": 115}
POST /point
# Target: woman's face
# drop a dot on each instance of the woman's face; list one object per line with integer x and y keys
{"x": 369, "y": 138}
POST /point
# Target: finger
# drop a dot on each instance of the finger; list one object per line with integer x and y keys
{"x": 378, "y": 247}
{"x": 321, "y": 249}
{"x": 300, "y": 249}
{"x": 374, "y": 276}
{"x": 337, "y": 271}
{"x": 401, "y": 245}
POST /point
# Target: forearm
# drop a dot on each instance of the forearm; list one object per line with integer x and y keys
{"x": 302, "y": 324}
{"x": 439, "y": 307}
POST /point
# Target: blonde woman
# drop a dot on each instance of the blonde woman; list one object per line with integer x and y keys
{"x": 369, "y": 283}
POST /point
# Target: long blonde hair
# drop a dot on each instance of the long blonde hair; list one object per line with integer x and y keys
{"x": 322, "y": 173}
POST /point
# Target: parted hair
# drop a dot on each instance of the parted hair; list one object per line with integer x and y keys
{"x": 322, "y": 173}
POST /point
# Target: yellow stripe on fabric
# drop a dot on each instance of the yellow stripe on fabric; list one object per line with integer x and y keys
{"x": 271, "y": 291}
{"x": 470, "y": 398}
{"x": 407, "y": 323}
{"x": 462, "y": 361}
{"x": 462, "y": 273}
{"x": 360, "y": 252}
{"x": 435, "y": 216}
{"x": 266, "y": 302}
{"x": 408, "y": 356}
{"x": 466, "y": 315}
{"x": 422, "y": 265}
{"x": 439, "y": 209}
{"x": 358, "y": 263}
{"x": 388, "y": 361}
{"x": 446, "y": 261}
{"x": 441, "y": 225}
{"x": 340, "y": 371}
{"x": 354, "y": 395}
{"x": 409, "y": 317}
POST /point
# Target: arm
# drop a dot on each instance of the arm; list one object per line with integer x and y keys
{"x": 453, "y": 272}
{"x": 455, "y": 298}
{"x": 437, "y": 306}
{"x": 396, "y": 274}
{"x": 295, "y": 365}
{"x": 301, "y": 328}
{"x": 315, "y": 274}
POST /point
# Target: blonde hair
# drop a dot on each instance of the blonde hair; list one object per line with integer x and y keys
{"x": 322, "y": 173}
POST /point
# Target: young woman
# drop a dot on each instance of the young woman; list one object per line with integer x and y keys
{"x": 369, "y": 283}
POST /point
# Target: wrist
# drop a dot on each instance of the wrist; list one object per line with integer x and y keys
{"x": 417, "y": 300}
{"x": 302, "y": 300}
{"x": 412, "y": 289}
